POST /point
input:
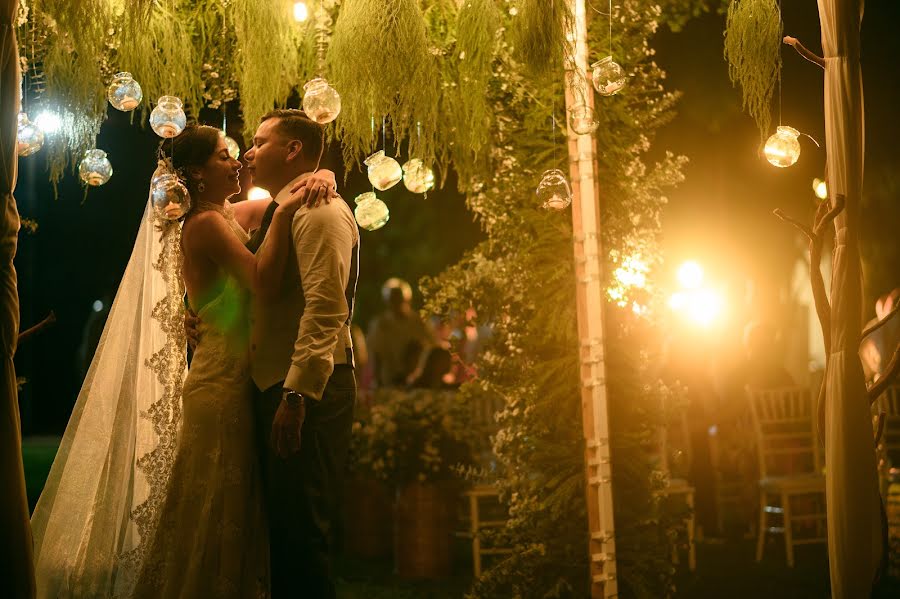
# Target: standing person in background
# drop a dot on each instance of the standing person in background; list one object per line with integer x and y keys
{"x": 393, "y": 332}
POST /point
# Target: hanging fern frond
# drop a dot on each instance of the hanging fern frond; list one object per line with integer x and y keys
{"x": 366, "y": 68}
{"x": 753, "y": 34}
{"x": 539, "y": 36}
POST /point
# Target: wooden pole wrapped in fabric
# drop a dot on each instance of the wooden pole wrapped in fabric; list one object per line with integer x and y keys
{"x": 16, "y": 564}
{"x": 589, "y": 304}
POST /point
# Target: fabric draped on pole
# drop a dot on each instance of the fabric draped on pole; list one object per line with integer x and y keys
{"x": 16, "y": 568}
{"x": 854, "y": 509}
{"x": 102, "y": 498}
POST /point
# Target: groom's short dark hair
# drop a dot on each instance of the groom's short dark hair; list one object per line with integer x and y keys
{"x": 294, "y": 124}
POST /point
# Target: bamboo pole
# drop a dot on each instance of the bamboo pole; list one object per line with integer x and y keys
{"x": 589, "y": 303}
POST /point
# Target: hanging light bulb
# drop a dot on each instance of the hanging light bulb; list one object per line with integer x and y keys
{"x": 321, "y": 102}
{"x": 124, "y": 93}
{"x": 581, "y": 119}
{"x": 820, "y": 188}
{"x": 95, "y": 168}
{"x": 371, "y": 213}
{"x": 553, "y": 191}
{"x": 29, "y": 138}
{"x": 384, "y": 171}
{"x": 417, "y": 177}
{"x": 258, "y": 193}
{"x": 168, "y": 118}
{"x": 301, "y": 12}
{"x": 608, "y": 77}
{"x": 170, "y": 197}
{"x": 234, "y": 150}
{"x": 783, "y": 147}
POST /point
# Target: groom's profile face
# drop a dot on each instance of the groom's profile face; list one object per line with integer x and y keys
{"x": 270, "y": 153}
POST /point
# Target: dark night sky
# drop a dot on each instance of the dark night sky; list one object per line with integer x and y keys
{"x": 722, "y": 213}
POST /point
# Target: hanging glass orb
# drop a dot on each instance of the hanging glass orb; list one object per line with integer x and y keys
{"x": 553, "y": 191}
{"x": 783, "y": 147}
{"x": 170, "y": 197}
{"x": 29, "y": 137}
{"x": 384, "y": 171}
{"x": 608, "y": 76}
{"x": 124, "y": 93}
{"x": 168, "y": 118}
{"x": 95, "y": 168}
{"x": 321, "y": 102}
{"x": 417, "y": 177}
{"x": 234, "y": 150}
{"x": 371, "y": 213}
{"x": 581, "y": 119}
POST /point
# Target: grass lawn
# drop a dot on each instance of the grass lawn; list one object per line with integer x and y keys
{"x": 724, "y": 569}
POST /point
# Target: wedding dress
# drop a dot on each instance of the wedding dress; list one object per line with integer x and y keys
{"x": 154, "y": 490}
{"x": 211, "y": 538}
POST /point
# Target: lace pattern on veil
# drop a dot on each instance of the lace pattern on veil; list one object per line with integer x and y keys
{"x": 165, "y": 413}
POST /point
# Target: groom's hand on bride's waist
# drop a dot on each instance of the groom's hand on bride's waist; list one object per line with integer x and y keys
{"x": 191, "y": 324}
{"x": 288, "y": 422}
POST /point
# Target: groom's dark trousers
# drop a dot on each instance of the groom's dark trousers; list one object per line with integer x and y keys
{"x": 302, "y": 491}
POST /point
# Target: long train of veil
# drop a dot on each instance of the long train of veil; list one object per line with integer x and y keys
{"x": 101, "y": 500}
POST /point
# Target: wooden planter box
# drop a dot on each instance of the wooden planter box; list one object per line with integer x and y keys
{"x": 368, "y": 519}
{"x": 423, "y": 520}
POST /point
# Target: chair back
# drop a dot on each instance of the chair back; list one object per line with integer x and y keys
{"x": 784, "y": 424}
{"x": 889, "y": 403}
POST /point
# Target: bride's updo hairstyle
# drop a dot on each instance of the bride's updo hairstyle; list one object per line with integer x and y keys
{"x": 190, "y": 149}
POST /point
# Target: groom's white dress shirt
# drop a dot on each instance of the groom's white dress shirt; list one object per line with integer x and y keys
{"x": 300, "y": 334}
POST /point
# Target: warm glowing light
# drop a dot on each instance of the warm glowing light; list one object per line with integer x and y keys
{"x": 821, "y": 189}
{"x": 690, "y": 275}
{"x": 258, "y": 193}
{"x": 301, "y": 13}
{"x": 700, "y": 306}
{"x": 630, "y": 275}
{"x": 48, "y": 122}
{"x": 783, "y": 148}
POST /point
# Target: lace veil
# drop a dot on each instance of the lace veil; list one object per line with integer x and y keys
{"x": 107, "y": 483}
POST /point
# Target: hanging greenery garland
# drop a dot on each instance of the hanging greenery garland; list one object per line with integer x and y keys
{"x": 753, "y": 33}
{"x": 374, "y": 83}
{"x": 539, "y": 35}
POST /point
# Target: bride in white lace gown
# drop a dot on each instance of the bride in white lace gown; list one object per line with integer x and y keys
{"x": 175, "y": 512}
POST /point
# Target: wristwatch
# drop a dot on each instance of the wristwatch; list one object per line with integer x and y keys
{"x": 293, "y": 398}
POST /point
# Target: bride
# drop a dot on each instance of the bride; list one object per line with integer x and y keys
{"x": 154, "y": 491}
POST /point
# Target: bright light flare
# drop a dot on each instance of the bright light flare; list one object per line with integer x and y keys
{"x": 301, "y": 12}
{"x": 690, "y": 275}
{"x": 821, "y": 188}
{"x": 700, "y": 306}
{"x": 630, "y": 275}
{"x": 258, "y": 193}
{"x": 48, "y": 122}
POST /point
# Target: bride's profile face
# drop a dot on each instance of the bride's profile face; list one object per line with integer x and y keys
{"x": 220, "y": 173}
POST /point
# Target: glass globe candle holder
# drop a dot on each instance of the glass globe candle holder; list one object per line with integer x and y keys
{"x": 29, "y": 137}
{"x": 168, "y": 118}
{"x": 321, "y": 102}
{"x": 234, "y": 150}
{"x": 417, "y": 177}
{"x": 170, "y": 198}
{"x": 608, "y": 77}
{"x": 581, "y": 119}
{"x": 553, "y": 191}
{"x": 95, "y": 168}
{"x": 384, "y": 171}
{"x": 371, "y": 213}
{"x": 783, "y": 148}
{"x": 124, "y": 93}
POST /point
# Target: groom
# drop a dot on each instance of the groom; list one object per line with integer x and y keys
{"x": 301, "y": 360}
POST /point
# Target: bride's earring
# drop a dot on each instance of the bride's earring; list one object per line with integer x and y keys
{"x": 200, "y": 186}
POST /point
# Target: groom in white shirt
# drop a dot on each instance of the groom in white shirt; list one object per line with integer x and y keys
{"x": 302, "y": 360}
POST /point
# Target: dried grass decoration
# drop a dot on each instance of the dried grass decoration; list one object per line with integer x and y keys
{"x": 753, "y": 33}
{"x": 539, "y": 36}
{"x": 379, "y": 61}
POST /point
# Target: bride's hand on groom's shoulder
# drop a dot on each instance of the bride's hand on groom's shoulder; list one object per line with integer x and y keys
{"x": 319, "y": 187}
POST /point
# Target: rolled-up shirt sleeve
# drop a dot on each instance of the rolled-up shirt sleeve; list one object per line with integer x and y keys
{"x": 323, "y": 243}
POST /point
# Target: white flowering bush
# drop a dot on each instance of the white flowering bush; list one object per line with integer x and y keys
{"x": 414, "y": 435}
